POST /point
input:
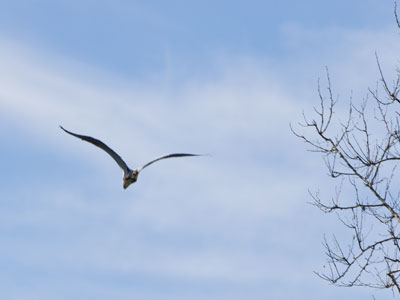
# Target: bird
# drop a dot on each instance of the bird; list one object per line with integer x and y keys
{"x": 129, "y": 176}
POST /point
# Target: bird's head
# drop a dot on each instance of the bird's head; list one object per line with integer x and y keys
{"x": 129, "y": 179}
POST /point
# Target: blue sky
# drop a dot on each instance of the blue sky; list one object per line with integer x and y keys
{"x": 155, "y": 77}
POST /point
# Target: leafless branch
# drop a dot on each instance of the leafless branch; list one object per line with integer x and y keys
{"x": 363, "y": 149}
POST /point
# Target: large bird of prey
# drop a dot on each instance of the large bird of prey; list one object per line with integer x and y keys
{"x": 129, "y": 176}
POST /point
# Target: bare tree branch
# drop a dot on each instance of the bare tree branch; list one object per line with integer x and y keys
{"x": 362, "y": 148}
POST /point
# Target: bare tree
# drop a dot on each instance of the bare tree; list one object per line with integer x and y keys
{"x": 361, "y": 148}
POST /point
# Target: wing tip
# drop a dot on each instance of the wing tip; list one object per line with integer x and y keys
{"x": 202, "y": 154}
{"x": 65, "y": 130}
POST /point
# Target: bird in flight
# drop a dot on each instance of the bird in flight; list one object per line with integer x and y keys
{"x": 129, "y": 176}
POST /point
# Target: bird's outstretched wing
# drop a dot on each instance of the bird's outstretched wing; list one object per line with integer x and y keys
{"x": 103, "y": 146}
{"x": 166, "y": 156}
